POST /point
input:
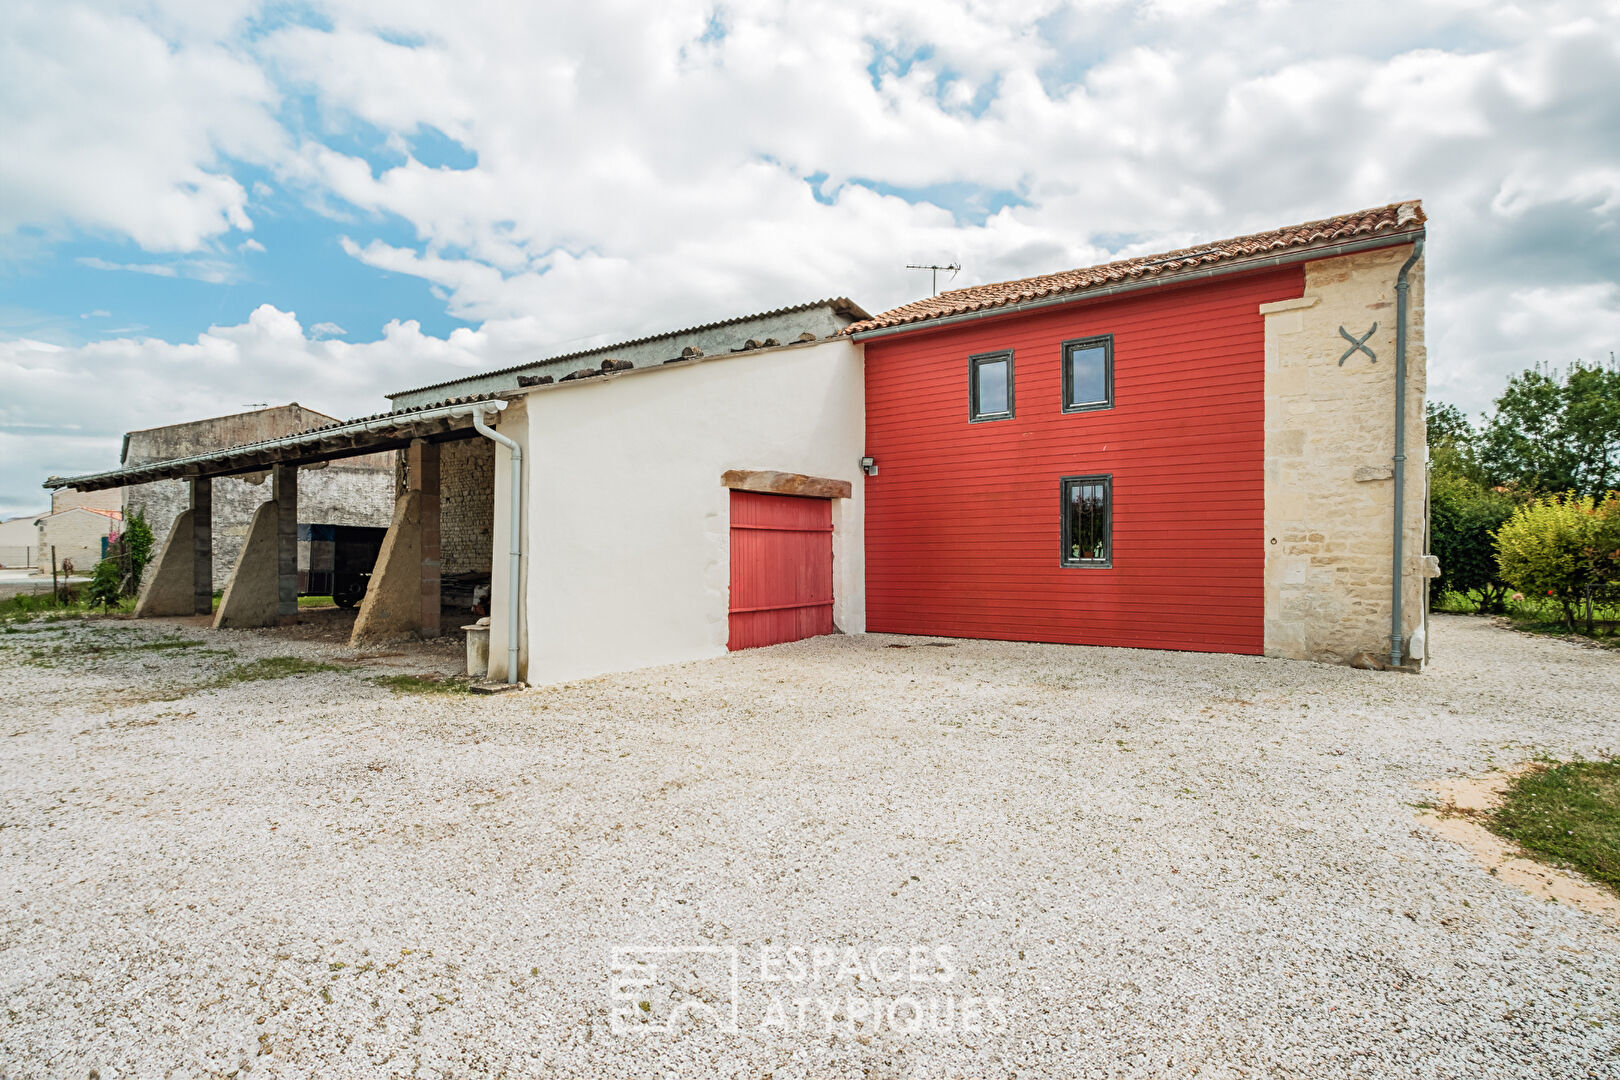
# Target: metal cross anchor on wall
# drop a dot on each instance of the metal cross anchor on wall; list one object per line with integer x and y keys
{"x": 1357, "y": 344}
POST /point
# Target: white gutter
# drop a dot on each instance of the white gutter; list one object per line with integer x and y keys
{"x": 515, "y": 529}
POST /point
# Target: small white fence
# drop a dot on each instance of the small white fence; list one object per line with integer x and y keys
{"x": 18, "y": 556}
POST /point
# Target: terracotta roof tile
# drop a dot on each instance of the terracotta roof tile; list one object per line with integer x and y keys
{"x": 1395, "y": 218}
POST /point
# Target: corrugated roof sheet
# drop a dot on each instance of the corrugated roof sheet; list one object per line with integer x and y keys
{"x": 1393, "y": 219}
{"x": 837, "y": 303}
{"x": 231, "y": 458}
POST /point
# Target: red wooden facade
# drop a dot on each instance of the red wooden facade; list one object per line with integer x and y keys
{"x": 781, "y": 569}
{"x": 962, "y": 521}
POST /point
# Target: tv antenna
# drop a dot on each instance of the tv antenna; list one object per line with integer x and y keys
{"x": 953, "y": 268}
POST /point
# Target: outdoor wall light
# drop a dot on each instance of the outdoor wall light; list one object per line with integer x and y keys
{"x": 869, "y": 466}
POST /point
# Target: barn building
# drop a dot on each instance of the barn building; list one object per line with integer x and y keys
{"x": 1219, "y": 448}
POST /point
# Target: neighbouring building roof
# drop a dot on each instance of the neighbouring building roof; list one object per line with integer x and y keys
{"x": 1396, "y": 219}
{"x": 339, "y": 439}
{"x": 643, "y": 351}
{"x": 111, "y": 515}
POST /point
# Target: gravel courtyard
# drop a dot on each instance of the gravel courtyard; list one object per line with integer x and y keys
{"x": 1109, "y": 862}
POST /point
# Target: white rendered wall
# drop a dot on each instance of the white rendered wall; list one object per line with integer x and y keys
{"x": 628, "y": 560}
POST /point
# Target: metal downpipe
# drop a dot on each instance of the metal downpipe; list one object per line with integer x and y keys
{"x": 515, "y": 531}
{"x": 1398, "y": 555}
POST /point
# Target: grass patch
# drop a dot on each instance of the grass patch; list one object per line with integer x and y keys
{"x": 89, "y": 648}
{"x": 422, "y": 684}
{"x": 161, "y": 645}
{"x": 25, "y": 607}
{"x": 315, "y": 601}
{"x": 1569, "y": 815}
{"x": 271, "y": 667}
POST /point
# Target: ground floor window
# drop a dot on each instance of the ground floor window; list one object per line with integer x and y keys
{"x": 1088, "y": 520}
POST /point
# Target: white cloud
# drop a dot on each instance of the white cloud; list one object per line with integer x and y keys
{"x": 213, "y": 271}
{"x": 112, "y": 125}
{"x": 327, "y": 330}
{"x": 671, "y": 171}
{"x": 630, "y": 176}
{"x": 95, "y": 262}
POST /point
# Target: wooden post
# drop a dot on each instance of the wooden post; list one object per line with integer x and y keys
{"x": 202, "y": 544}
{"x": 284, "y": 490}
{"x": 56, "y": 597}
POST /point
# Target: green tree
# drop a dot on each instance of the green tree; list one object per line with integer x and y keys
{"x": 1555, "y": 432}
{"x": 1453, "y": 442}
{"x": 1592, "y": 426}
{"x": 1566, "y": 547}
{"x": 1463, "y": 519}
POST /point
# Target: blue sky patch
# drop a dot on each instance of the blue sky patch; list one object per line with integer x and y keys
{"x": 898, "y": 62}
{"x": 437, "y": 150}
{"x": 302, "y": 269}
{"x": 280, "y": 14}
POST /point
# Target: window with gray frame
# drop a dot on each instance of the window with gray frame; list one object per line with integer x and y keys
{"x": 1088, "y": 520}
{"x": 1088, "y": 374}
{"x": 990, "y": 386}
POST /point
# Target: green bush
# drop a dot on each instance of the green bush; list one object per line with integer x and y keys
{"x": 106, "y": 583}
{"x": 137, "y": 542}
{"x": 1464, "y": 517}
{"x": 1566, "y": 548}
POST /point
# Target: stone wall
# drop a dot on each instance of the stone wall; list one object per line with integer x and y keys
{"x": 466, "y": 506}
{"x": 235, "y": 500}
{"x": 350, "y": 491}
{"x": 340, "y": 494}
{"x": 1330, "y": 435}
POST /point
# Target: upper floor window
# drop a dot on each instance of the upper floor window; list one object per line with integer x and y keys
{"x": 990, "y": 386}
{"x": 1088, "y": 374}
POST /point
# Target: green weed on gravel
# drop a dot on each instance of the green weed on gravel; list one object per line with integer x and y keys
{"x": 422, "y": 684}
{"x": 99, "y": 648}
{"x": 271, "y": 667}
{"x": 1568, "y": 814}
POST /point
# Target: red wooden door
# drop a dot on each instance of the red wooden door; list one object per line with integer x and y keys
{"x": 781, "y": 568}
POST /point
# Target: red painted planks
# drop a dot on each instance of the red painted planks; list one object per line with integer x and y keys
{"x": 962, "y": 522}
{"x": 781, "y": 569}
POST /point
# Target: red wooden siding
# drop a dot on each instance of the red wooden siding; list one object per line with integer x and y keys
{"x": 962, "y": 521}
{"x": 781, "y": 568}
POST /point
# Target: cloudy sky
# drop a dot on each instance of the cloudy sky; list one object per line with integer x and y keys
{"x": 209, "y": 204}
